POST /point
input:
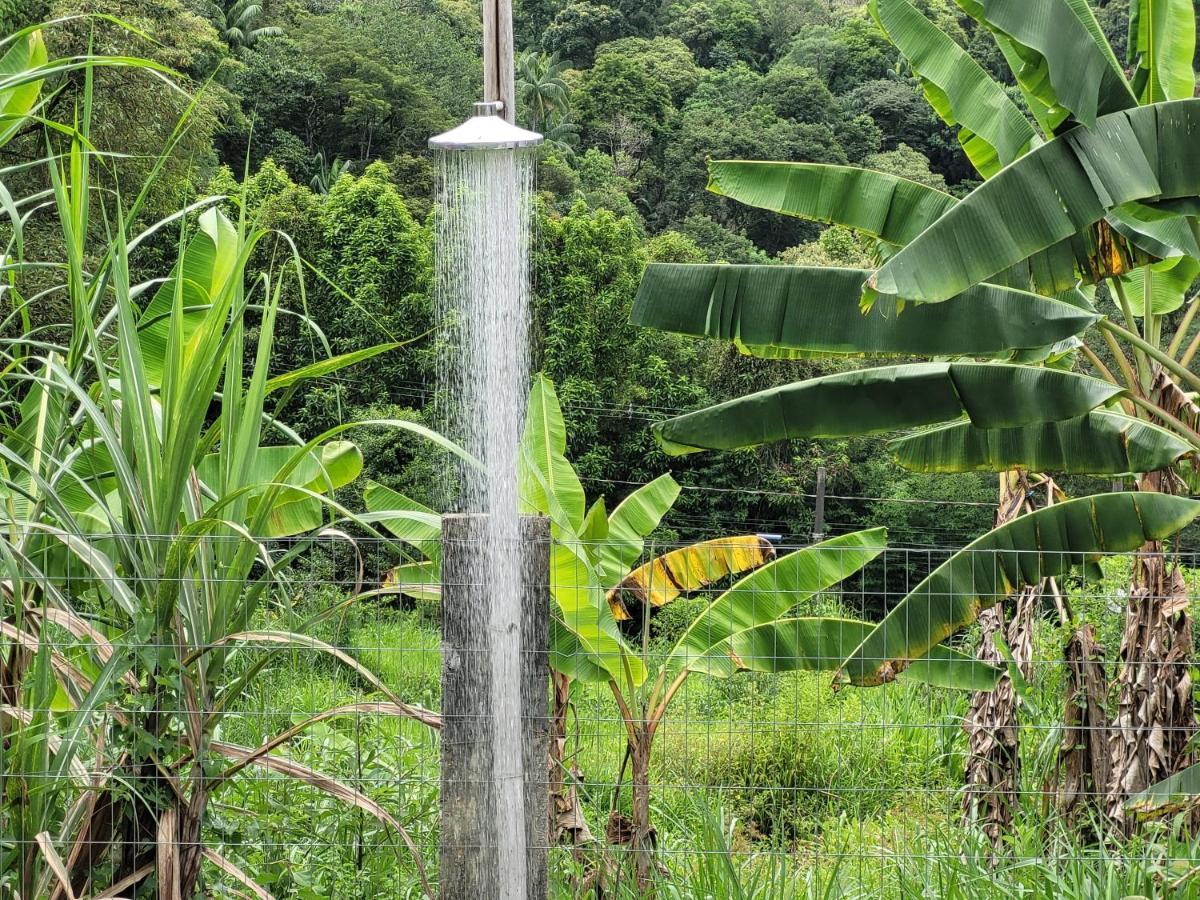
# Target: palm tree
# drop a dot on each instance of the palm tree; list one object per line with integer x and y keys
{"x": 541, "y": 90}
{"x": 1099, "y": 188}
{"x": 241, "y": 29}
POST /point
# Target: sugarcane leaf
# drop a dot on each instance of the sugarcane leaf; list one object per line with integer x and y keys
{"x": 890, "y": 398}
{"x": 1100, "y": 443}
{"x": 1059, "y": 191}
{"x": 1162, "y": 42}
{"x": 1167, "y": 281}
{"x": 630, "y": 523}
{"x": 768, "y": 594}
{"x": 820, "y": 645}
{"x": 1042, "y": 544}
{"x": 688, "y": 569}
{"x": 817, "y": 310}
{"x": 992, "y": 130}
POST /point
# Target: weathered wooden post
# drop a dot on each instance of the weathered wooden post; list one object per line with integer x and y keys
{"x": 818, "y": 532}
{"x": 468, "y": 852}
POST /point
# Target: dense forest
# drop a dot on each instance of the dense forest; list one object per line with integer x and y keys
{"x": 324, "y": 109}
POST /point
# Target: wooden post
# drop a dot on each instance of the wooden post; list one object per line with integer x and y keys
{"x": 499, "y": 81}
{"x": 819, "y": 508}
{"x": 468, "y": 857}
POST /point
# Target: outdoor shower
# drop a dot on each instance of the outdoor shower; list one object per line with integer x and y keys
{"x": 493, "y": 612}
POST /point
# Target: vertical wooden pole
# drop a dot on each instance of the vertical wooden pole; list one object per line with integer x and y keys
{"x": 499, "y": 74}
{"x": 468, "y": 858}
{"x": 819, "y": 508}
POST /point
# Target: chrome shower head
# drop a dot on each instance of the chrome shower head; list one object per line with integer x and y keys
{"x": 486, "y": 130}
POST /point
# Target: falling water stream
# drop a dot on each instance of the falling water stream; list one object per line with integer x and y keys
{"x": 483, "y": 227}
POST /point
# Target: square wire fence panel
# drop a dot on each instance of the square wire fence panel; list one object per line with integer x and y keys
{"x": 719, "y": 718}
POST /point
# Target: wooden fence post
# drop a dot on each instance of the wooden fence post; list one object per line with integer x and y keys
{"x": 468, "y": 857}
{"x": 818, "y": 533}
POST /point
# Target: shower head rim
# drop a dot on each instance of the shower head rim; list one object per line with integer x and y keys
{"x": 486, "y": 130}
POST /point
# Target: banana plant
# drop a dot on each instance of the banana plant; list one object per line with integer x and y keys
{"x": 1098, "y": 188}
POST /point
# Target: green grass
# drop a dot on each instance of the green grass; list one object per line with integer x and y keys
{"x": 764, "y": 786}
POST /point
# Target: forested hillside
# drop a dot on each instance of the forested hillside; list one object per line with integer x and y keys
{"x": 324, "y": 109}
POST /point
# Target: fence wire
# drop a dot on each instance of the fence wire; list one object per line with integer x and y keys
{"x": 703, "y": 734}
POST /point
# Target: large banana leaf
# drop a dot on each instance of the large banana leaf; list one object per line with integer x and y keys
{"x": 627, "y": 527}
{"x": 590, "y": 641}
{"x": 1162, "y": 41}
{"x": 1166, "y": 282}
{"x": 768, "y": 594}
{"x": 17, "y": 102}
{"x": 887, "y": 207}
{"x": 321, "y": 471}
{"x": 549, "y": 484}
{"x": 820, "y": 645}
{"x": 1058, "y": 191}
{"x": 410, "y": 521}
{"x": 209, "y": 261}
{"x": 1042, "y": 544}
{"x": 1064, "y": 59}
{"x": 1100, "y": 443}
{"x": 689, "y": 569}
{"x": 892, "y": 398}
{"x": 992, "y": 130}
{"x": 817, "y": 309}
{"x": 879, "y": 204}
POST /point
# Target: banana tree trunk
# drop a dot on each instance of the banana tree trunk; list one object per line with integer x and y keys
{"x": 567, "y": 823}
{"x": 1155, "y": 719}
{"x": 1083, "y": 760}
{"x": 993, "y": 769}
{"x": 643, "y": 838}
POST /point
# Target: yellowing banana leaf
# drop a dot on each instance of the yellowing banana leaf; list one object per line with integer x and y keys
{"x": 820, "y": 645}
{"x": 1167, "y": 283}
{"x": 1171, "y": 795}
{"x": 992, "y": 130}
{"x": 1100, "y": 443}
{"x": 1046, "y": 543}
{"x": 1059, "y": 191}
{"x": 689, "y": 569}
{"x": 763, "y": 308}
{"x": 1065, "y": 59}
{"x": 890, "y": 398}
{"x": 1162, "y": 41}
{"x": 18, "y": 100}
{"x": 767, "y": 595}
{"x": 627, "y": 528}
{"x": 549, "y": 484}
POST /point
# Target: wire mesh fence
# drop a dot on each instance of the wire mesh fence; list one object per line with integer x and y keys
{"x": 707, "y": 736}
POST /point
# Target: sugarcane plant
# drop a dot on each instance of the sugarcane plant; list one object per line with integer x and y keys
{"x": 757, "y": 624}
{"x": 144, "y": 475}
{"x": 1078, "y": 249}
